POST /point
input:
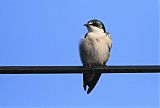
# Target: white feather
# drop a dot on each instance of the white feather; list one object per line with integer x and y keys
{"x": 94, "y": 49}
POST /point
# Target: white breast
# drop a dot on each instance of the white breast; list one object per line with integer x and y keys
{"x": 94, "y": 49}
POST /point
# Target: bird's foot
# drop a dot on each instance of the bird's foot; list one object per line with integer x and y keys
{"x": 88, "y": 67}
{"x": 104, "y": 66}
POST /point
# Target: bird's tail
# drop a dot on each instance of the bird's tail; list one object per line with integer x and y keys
{"x": 90, "y": 79}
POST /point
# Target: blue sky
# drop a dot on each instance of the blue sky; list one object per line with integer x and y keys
{"x": 47, "y": 32}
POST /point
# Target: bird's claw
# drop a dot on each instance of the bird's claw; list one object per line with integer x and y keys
{"x": 90, "y": 68}
{"x": 104, "y": 66}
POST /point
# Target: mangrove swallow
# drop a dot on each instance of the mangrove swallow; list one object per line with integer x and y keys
{"x": 94, "y": 51}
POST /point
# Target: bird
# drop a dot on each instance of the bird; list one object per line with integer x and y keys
{"x": 94, "y": 50}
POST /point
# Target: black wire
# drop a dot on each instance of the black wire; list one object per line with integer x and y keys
{"x": 77, "y": 69}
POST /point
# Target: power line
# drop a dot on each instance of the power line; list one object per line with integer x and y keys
{"x": 77, "y": 69}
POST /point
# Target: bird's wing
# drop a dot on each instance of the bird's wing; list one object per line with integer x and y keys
{"x": 110, "y": 41}
{"x": 82, "y": 51}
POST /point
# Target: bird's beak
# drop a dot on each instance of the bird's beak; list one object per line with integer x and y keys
{"x": 86, "y": 25}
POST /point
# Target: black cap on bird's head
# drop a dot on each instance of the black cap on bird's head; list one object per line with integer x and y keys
{"x": 95, "y": 23}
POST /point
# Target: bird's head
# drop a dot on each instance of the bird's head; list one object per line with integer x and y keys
{"x": 95, "y": 26}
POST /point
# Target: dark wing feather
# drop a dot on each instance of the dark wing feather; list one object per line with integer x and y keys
{"x": 91, "y": 80}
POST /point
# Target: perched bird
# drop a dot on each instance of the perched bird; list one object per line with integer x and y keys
{"x": 94, "y": 51}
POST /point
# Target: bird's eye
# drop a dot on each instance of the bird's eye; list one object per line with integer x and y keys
{"x": 95, "y": 24}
